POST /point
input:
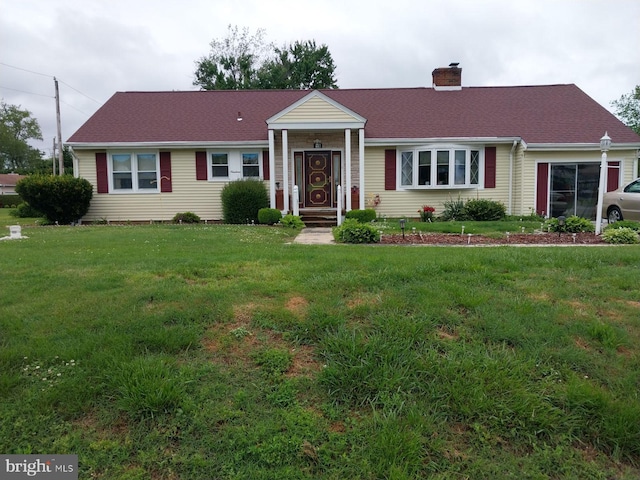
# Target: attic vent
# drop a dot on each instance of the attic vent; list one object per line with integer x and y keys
{"x": 448, "y": 78}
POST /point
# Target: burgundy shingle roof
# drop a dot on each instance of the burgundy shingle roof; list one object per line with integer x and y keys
{"x": 538, "y": 114}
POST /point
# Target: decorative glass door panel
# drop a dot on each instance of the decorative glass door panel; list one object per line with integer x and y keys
{"x": 317, "y": 179}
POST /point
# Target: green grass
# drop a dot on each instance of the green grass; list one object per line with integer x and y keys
{"x": 494, "y": 228}
{"x": 200, "y": 352}
{"x": 6, "y": 219}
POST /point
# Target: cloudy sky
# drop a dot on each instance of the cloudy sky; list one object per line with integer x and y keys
{"x": 98, "y": 47}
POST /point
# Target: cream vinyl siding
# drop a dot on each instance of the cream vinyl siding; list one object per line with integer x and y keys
{"x": 396, "y": 203}
{"x": 532, "y": 158}
{"x": 315, "y": 110}
{"x": 198, "y": 196}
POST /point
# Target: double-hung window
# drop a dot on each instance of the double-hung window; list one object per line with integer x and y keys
{"x": 234, "y": 165}
{"x": 440, "y": 167}
{"x": 134, "y": 172}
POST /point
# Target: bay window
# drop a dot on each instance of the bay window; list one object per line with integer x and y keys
{"x": 440, "y": 167}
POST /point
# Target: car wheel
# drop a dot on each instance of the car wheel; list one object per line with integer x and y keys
{"x": 614, "y": 215}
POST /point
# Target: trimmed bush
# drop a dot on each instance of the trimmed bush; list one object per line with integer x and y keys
{"x": 10, "y": 199}
{"x": 292, "y": 221}
{"x": 484, "y": 210}
{"x": 635, "y": 226}
{"x": 352, "y": 231}
{"x": 362, "y": 216}
{"x": 573, "y": 224}
{"x": 624, "y": 235}
{"x": 242, "y": 199}
{"x": 63, "y": 199}
{"x": 186, "y": 217}
{"x": 269, "y": 216}
{"x": 24, "y": 210}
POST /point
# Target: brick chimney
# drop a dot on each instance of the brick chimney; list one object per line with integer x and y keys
{"x": 448, "y": 78}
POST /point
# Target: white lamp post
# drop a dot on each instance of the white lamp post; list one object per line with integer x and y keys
{"x": 605, "y": 143}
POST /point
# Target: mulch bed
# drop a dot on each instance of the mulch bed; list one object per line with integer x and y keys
{"x": 512, "y": 239}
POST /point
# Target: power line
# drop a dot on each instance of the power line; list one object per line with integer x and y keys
{"x": 25, "y": 70}
{"x": 24, "y": 91}
{"x": 76, "y": 109}
{"x": 84, "y": 94}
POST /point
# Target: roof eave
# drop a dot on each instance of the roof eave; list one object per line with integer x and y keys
{"x": 168, "y": 145}
{"x": 541, "y": 147}
{"x": 444, "y": 140}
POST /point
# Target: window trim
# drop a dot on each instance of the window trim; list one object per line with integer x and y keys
{"x": 135, "y": 171}
{"x": 235, "y": 164}
{"x": 435, "y": 149}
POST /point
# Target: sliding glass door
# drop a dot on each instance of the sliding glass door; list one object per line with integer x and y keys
{"x": 574, "y": 189}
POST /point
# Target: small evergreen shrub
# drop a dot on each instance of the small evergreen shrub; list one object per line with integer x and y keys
{"x": 242, "y": 199}
{"x": 362, "y": 216}
{"x": 573, "y": 224}
{"x": 64, "y": 199}
{"x": 454, "y": 210}
{"x": 269, "y": 216}
{"x": 484, "y": 210}
{"x": 292, "y": 221}
{"x": 624, "y": 235}
{"x": 24, "y": 210}
{"x": 635, "y": 226}
{"x": 186, "y": 217}
{"x": 10, "y": 199}
{"x": 352, "y": 231}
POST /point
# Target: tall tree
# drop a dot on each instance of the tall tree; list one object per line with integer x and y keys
{"x": 301, "y": 65}
{"x": 233, "y": 62}
{"x": 628, "y": 109}
{"x": 245, "y": 61}
{"x": 17, "y": 127}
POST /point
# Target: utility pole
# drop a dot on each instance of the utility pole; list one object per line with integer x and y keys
{"x": 60, "y": 153}
{"x": 53, "y": 156}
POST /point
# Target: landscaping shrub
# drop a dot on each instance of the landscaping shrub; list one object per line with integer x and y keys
{"x": 426, "y": 213}
{"x": 620, "y": 235}
{"x": 454, "y": 210}
{"x": 24, "y": 210}
{"x": 352, "y": 231}
{"x": 10, "y": 199}
{"x": 635, "y": 226}
{"x": 186, "y": 217}
{"x": 242, "y": 199}
{"x": 362, "y": 216}
{"x": 269, "y": 216}
{"x": 63, "y": 199}
{"x": 484, "y": 210}
{"x": 573, "y": 224}
{"x": 292, "y": 221}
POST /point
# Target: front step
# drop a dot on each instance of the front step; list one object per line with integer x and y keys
{"x": 319, "y": 218}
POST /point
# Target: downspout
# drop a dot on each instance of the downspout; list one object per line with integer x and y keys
{"x": 76, "y": 162}
{"x": 510, "y": 202}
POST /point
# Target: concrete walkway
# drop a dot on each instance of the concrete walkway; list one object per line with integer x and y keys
{"x": 315, "y": 236}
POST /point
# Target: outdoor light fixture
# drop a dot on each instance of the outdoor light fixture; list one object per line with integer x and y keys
{"x": 403, "y": 224}
{"x": 317, "y": 143}
{"x": 562, "y": 220}
{"x": 605, "y": 144}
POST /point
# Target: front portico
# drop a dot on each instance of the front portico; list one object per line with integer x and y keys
{"x": 316, "y": 145}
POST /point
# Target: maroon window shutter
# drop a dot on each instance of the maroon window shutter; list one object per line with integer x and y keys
{"x": 490, "y": 167}
{"x": 613, "y": 176}
{"x": 542, "y": 189}
{"x": 201, "y": 166}
{"x": 165, "y": 172}
{"x": 265, "y": 165}
{"x": 390, "y": 169}
{"x": 102, "y": 173}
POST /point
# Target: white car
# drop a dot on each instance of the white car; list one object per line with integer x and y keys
{"x": 622, "y": 204}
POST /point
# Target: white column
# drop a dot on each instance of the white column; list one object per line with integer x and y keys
{"x": 296, "y": 201}
{"x": 339, "y": 212}
{"x": 272, "y": 169}
{"x": 601, "y": 187}
{"x": 285, "y": 168}
{"x": 347, "y": 167}
{"x": 361, "y": 163}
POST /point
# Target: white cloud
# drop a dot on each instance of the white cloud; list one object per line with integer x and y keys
{"x": 100, "y": 47}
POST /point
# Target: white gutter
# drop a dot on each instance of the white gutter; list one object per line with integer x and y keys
{"x": 167, "y": 145}
{"x": 510, "y": 201}
{"x": 438, "y": 140}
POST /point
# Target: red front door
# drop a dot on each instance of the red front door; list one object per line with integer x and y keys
{"x": 317, "y": 179}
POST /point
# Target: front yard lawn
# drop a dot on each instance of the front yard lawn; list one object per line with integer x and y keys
{"x": 227, "y": 352}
